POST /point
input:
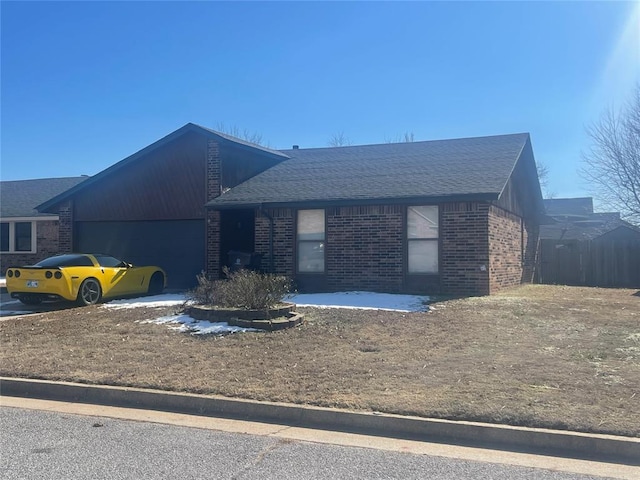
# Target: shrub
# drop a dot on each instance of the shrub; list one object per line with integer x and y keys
{"x": 244, "y": 289}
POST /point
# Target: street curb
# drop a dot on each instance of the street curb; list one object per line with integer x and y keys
{"x": 595, "y": 447}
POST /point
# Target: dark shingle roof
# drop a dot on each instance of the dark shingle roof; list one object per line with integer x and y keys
{"x": 18, "y": 198}
{"x": 568, "y": 206}
{"x": 472, "y": 167}
{"x": 582, "y": 227}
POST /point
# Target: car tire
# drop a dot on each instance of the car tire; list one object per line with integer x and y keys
{"x": 30, "y": 299}
{"x": 90, "y": 292}
{"x": 156, "y": 284}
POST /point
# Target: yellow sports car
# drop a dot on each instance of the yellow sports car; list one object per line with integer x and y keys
{"x": 83, "y": 278}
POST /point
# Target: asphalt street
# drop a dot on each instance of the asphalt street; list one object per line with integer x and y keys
{"x": 50, "y": 445}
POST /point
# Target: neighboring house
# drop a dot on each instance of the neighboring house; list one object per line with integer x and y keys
{"x": 27, "y": 236}
{"x": 452, "y": 216}
{"x": 582, "y": 247}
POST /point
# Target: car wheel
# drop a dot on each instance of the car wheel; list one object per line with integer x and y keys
{"x": 90, "y": 292}
{"x": 30, "y": 299}
{"x": 156, "y": 284}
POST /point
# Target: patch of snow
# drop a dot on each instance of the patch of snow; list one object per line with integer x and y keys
{"x": 165, "y": 300}
{"x": 185, "y": 323}
{"x": 3, "y": 282}
{"x": 362, "y": 300}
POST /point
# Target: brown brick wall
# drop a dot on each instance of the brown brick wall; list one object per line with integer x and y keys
{"x": 480, "y": 248}
{"x": 505, "y": 249}
{"x": 46, "y": 246}
{"x": 65, "y": 227}
{"x": 464, "y": 255}
{"x": 283, "y": 240}
{"x": 212, "y": 256}
{"x": 365, "y": 248}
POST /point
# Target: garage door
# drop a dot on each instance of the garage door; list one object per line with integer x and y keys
{"x": 178, "y": 246}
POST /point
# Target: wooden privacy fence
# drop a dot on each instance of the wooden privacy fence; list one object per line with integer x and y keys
{"x": 590, "y": 263}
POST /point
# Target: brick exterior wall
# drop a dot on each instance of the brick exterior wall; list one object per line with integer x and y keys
{"x": 365, "y": 248}
{"x": 213, "y": 169}
{"x": 46, "y": 246}
{"x": 464, "y": 252}
{"x": 65, "y": 227}
{"x": 283, "y": 240}
{"x": 481, "y": 249}
{"x": 506, "y": 249}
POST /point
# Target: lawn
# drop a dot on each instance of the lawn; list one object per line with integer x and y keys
{"x": 544, "y": 356}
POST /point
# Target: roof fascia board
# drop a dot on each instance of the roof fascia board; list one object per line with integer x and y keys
{"x": 39, "y": 218}
{"x": 479, "y": 197}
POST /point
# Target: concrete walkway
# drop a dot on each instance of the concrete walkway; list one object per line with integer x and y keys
{"x": 553, "y": 443}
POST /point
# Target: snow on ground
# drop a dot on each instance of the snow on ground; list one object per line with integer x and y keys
{"x": 362, "y": 300}
{"x": 181, "y": 322}
{"x": 184, "y": 323}
{"x": 356, "y": 300}
{"x": 165, "y": 300}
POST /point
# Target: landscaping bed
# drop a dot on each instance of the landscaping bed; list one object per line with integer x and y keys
{"x": 544, "y": 356}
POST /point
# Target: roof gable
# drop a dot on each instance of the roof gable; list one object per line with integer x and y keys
{"x": 189, "y": 127}
{"x": 19, "y": 198}
{"x": 469, "y": 167}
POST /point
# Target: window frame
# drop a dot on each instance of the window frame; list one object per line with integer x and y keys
{"x": 322, "y": 242}
{"x": 12, "y": 235}
{"x": 422, "y": 240}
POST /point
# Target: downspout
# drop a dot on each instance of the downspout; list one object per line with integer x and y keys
{"x": 270, "y": 218}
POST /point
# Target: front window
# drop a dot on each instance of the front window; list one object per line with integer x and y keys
{"x": 311, "y": 241}
{"x": 17, "y": 237}
{"x": 422, "y": 239}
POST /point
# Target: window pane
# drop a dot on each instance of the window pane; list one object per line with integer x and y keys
{"x": 23, "y": 237}
{"x": 423, "y": 256}
{"x": 311, "y": 225}
{"x": 422, "y": 222}
{"x": 4, "y": 237}
{"x": 311, "y": 257}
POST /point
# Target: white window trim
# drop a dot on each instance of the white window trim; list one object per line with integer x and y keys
{"x": 34, "y": 232}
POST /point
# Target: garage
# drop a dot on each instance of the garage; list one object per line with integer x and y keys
{"x": 178, "y": 246}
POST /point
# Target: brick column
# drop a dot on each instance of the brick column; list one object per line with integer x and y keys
{"x": 464, "y": 233}
{"x": 65, "y": 227}
{"x": 213, "y": 170}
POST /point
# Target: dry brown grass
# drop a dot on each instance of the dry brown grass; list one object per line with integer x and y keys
{"x": 547, "y": 356}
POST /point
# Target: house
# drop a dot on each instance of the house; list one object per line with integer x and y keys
{"x": 583, "y": 247}
{"x": 26, "y": 235}
{"x": 450, "y": 216}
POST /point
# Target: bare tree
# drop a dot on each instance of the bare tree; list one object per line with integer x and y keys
{"x": 338, "y": 139}
{"x": 612, "y": 165}
{"x": 407, "y": 137}
{"x": 543, "y": 178}
{"x": 251, "y": 137}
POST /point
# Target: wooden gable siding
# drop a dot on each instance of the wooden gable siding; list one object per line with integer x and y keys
{"x": 519, "y": 195}
{"x": 165, "y": 184}
{"x": 239, "y": 164}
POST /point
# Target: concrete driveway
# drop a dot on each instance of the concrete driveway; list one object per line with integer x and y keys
{"x": 10, "y": 307}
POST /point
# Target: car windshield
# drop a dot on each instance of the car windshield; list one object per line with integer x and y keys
{"x": 108, "y": 261}
{"x": 72, "y": 260}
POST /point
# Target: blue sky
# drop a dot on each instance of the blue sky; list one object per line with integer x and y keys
{"x": 85, "y": 84}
